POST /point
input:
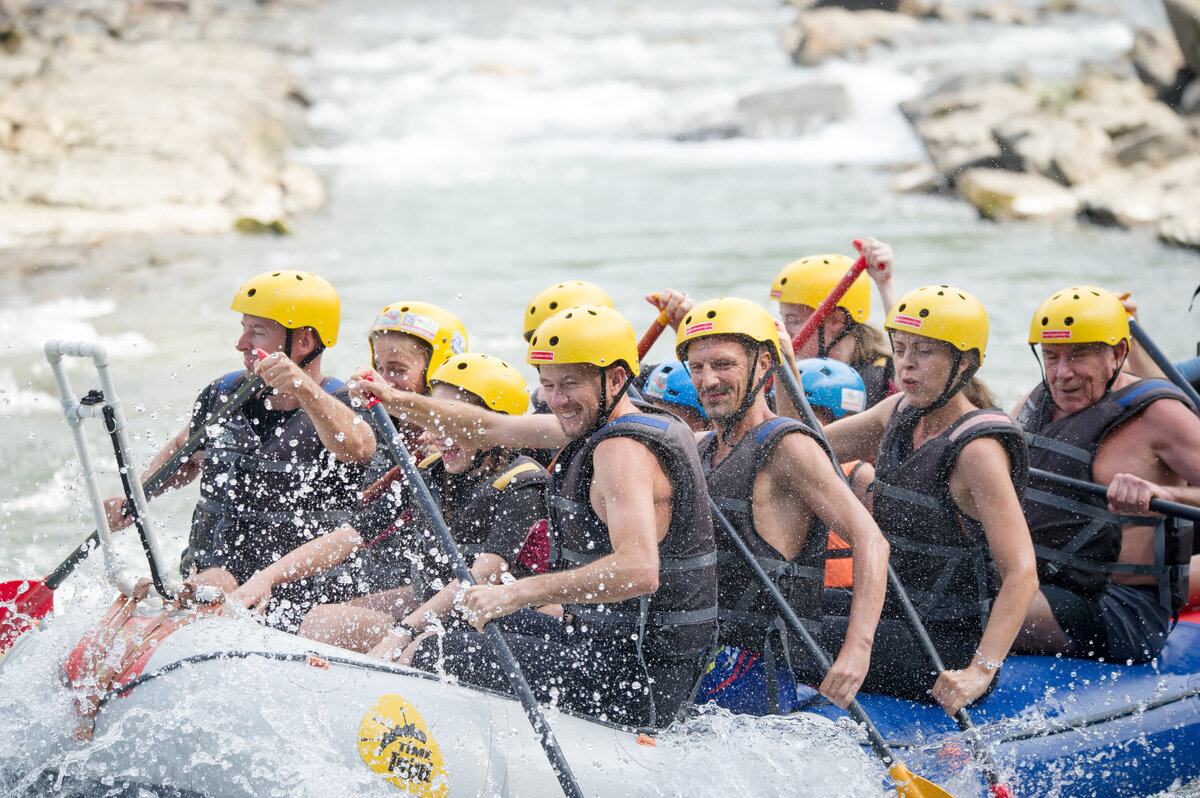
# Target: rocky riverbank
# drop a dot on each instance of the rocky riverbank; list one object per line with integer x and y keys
{"x": 146, "y": 117}
{"x": 1117, "y": 144}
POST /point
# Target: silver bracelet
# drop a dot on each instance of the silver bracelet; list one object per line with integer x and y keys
{"x": 987, "y": 663}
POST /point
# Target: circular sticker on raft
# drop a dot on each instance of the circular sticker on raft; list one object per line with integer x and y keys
{"x": 395, "y": 742}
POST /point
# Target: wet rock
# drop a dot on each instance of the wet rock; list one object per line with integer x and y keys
{"x": 1189, "y": 100}
{"x": 1144, "y": 194}
{"x": 1153, "y": 146}
{"x": 1004, "y": 12}
{"x": 1184, "y": 16}
{"x": 1006, "y": 196}
{"x": 835, "y": 32}
{"x": 918, "y": 179}
{"x": 792, "y": 111}
{"x": 1062, "y": 150}
{"x": 1181, "y": 232}
{"x": 1157, "y": 60}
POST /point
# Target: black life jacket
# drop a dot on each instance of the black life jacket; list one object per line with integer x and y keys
{"x": 678, "y": 621}
{"x": 1076, "y": 539}
{"x": 260, "y": 499}
{"x": 470, "y": 522}
{"x": 747, "y": 613}
{"x": 940, "y": 554}
{"x": 877, "y": 379}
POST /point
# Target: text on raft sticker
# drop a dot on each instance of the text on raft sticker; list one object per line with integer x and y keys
{"x": 696, "y": 328}
{"x": 1056, "y": 335}
{"x": 907, "y": 321}
{"x": 541, "y": 356}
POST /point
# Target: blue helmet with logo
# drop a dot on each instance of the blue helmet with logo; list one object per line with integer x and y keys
{"x": 670, "y": 382}
{"x": 833, "y": 385}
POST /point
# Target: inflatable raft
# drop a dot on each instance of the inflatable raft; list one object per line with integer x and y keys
{"x": 1061, "y": 727}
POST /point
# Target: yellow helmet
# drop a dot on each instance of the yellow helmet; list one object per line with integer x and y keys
{"x": 728, "y": 316}
{"x": 586, "y": 334}
{"x": 1081, "y": 314}
{"x": 560, "y": 297}
{"x": 809, "y": 280}
{"x": 499, "y": 385}
{"x": 944, "y": 314}
{"x": 436, "y": 326}
{"x": 295, "y": 300}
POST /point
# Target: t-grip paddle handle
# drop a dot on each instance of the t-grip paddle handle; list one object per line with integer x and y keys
{"x": 829, "y": 303}
{"x": 656, "y": 329}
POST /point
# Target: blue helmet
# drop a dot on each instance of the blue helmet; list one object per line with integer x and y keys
{"x": 833, "y": 385}
{"x": 671, "y": 383}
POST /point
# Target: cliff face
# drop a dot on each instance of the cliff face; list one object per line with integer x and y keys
{"x": 139, "y": 118}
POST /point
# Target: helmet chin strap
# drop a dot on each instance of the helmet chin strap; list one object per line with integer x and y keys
{"x": 952, "y": 387}
{"x": 606, "y": 408}
{"x": 824, "y": 349}
{"x": 288, "y": 340}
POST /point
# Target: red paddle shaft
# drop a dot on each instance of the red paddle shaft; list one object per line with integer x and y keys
{"x": 652, "y": 334}
{"x": 829, "y": 303}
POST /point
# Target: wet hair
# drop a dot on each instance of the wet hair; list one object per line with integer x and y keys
{"x": 869, "y": 345}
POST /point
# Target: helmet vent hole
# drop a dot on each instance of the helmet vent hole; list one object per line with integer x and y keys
{"x": 404, "y": 309}
{"x": 592, "y": 313}
{"x": 569, "y": 316}
{"x": 554, "y": 306}
{"x": 924, "y": 313}
{"x": 1077, "y": 296}
{"x": 963, "y": 298}
{"x": 1045, "y": 320}
{"x": 300, "y": 277}
{"x": 688, "y": 319}
{"x": 712, "y": 314}
{"x": 252, "y": 292}
{"x": 532, "y": 310}
{"x": 902, "y": 307}
{"x": 941, "y": 293}
{"x": 462, "y": 366}
{"x": 783, "y": 281}
{"x": 1069, "y": 320}
{"x": 277, "y": 274}
{"x": 534, "y": 341}
{"x": 554, "y": 340}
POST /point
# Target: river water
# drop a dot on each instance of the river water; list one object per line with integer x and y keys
{"x": 477, "y": 150}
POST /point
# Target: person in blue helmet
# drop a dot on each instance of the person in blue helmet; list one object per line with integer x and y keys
{"x": 669, "y": 387}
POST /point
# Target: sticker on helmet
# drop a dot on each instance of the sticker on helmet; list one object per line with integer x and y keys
{"x": 657, "y": 387}
{"x": 704, "y": 326}
{"x": 395, "y": 742}
{"x": 541, "y": 356}
{"x": 1056, "y": 335}
{"x": 458, "y": 344}
{"x": 776, "y": 293}
{"x": 854, "y": 400}
{"x": 907, "y": 321}
{"x": 418, "y": 325}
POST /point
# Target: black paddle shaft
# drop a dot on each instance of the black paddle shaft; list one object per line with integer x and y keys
{"x": 541, "y": 728}
{"x": 1184, "y": 511}
{"x": 911, "y": 616}
{"x": 160, "y": 477}
{"x": 1163, "y": 362}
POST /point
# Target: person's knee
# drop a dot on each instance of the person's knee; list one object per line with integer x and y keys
{"x": 218, "y": 578}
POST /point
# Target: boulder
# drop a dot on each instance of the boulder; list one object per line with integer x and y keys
{"x": 792, "y": 111}
{"x": 1184, "y": 16}
{"x": 1143, "y": 194}
{"x": 1063, "y": 150}
{"x": 1153, "y": 146}
{"x": 1004, "y": 12}
{"x": 1157, "y": 60}
{"x": 1181, "y": 232}
{"x": 835, "y": 32}
{"x": 1005, "y": 196}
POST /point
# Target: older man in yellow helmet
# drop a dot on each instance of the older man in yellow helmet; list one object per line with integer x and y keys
{"x": 1109, "y": 583}
{"x": 636, "y": 575}
{"x": 288, "y": 464}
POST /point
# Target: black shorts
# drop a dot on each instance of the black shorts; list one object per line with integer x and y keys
{"x": 1124, "y": 623}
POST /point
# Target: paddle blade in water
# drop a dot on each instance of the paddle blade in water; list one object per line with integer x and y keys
{"x": 912, "y": 786}
{"x": 21, "y": 603}
{"x": 1000, "y": 791}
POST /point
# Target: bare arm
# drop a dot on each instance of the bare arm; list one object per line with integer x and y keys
{"x": 632, "y": 497}
{"x": 857, "y": 437}
{"x": 830, "y": 498}
{"x": 880, "y": 265}
{"x": 186, "y": 472}
{"x": 460, "y": 420}
{"x": 314, "y": 557}
{"x": 982, "y": 488}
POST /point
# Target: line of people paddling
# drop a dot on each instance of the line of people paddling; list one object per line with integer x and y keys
{"x": 589, "y": 523}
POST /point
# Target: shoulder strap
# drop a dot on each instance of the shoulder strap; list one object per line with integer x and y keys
{"x": 227, "y": 382}
{"x": 520, "y": 468}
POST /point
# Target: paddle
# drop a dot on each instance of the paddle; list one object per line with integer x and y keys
{"x": 908, "y": 785}
{"x": 1182, "y": 511}
{"x": 656, "y": 329}
{"x": 912, "y": 617}
{"x": 34, "y": 599}
{"x": 541, "y": 728}
{"x": 829, "y": 303}
{"x": 1163, "y": 362}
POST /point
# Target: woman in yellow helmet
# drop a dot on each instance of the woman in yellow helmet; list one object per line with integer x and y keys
{"x": 949, "y": 477}
{"x": 494, "y": 501}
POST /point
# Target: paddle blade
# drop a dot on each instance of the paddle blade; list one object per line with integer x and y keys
{"x": 1000, "y": 791}
{"x": 909, "y": 785}
{"x": 21, "y": 603}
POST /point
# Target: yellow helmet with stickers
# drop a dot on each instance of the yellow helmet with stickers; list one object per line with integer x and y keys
{"x": 728, "y": 316}
{"x": 945, "y": 314}
{"x": 436, "y": 326}
{"x": 499, "y": 385}
{"x": 1081, "y": 314}
{"x": 293, "y": 299}
{"x": 562, "y": 296}
{"x": 809, "y": 280}
{"x": 586, "y": 334}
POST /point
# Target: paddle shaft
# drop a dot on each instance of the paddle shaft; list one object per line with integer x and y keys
{"x": 1184, "y": 511}
{"x": 433, "y": 515}
{"x": 161, "y": 476}
{"x": 829, "y": 303}
{"x": 1163, "y": 362}
{"x": 656, "y": 329}
{"x": 911, "y": 616}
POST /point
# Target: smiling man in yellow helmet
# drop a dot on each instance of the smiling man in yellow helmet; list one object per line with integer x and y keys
{"x": 290, "y": 462}
{"x": 1105, "y": 592}
{"x": 636, "y": 575}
